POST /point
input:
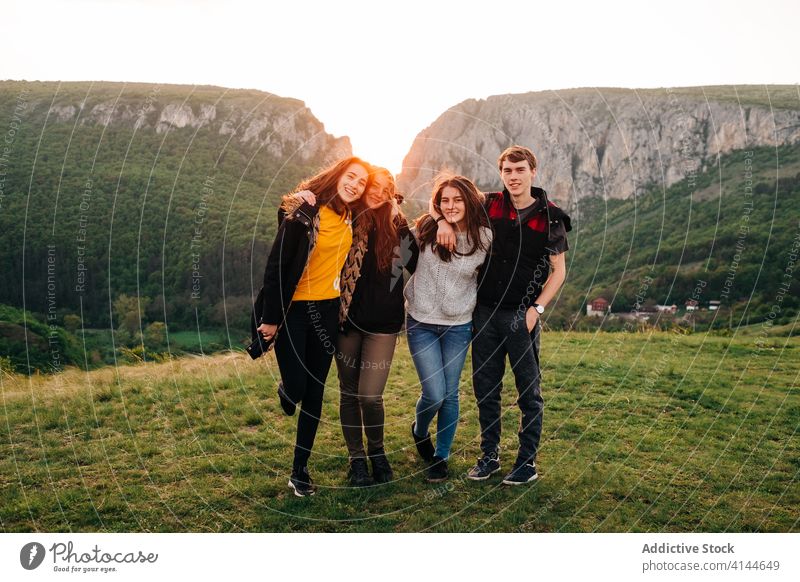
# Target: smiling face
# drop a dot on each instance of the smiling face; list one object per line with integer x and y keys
{"x": 380, "y": 191}
{"x": 352, "y": 183}
{"x": 453, "y": 206}
{"x": 517, "y": 177}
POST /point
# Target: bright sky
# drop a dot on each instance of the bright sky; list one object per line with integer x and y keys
{"x": 380, "y": 72}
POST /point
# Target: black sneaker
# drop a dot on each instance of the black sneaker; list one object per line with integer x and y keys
{"x": 359, "y": 474}
{"x": 437, "y": 471}
{"x": 486, "y": 466}
{"x": 381, "y": 469}
{"x": 286, "y": 404}
{"x": 424, "y": 445}
{"x": 521, "y": 474}
{"x": 301, "y": 483}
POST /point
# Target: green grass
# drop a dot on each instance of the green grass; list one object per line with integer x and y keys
{"x": 203, "y": 342}
{"x": 642, "y": 432}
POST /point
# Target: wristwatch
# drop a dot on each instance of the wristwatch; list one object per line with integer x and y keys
{"x": 441, "y": 217}
{"x": 539, "y": 309}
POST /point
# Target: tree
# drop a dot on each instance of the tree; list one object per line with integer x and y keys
{"x": 155, "y": 335}
{"x": 72, "y": 322}
{"x": 127, "y": 311}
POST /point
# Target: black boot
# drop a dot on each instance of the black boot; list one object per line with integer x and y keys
{"x": 437, "y": 471}
{"x": 424, "y": 445}
{"x": 359, "y": 474}
{"x": 381, "y": 469}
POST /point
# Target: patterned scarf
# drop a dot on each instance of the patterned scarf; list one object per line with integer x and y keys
{"x": 352, "y": 267}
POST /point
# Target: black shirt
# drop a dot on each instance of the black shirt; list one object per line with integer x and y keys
{"x": 519, "y": 261}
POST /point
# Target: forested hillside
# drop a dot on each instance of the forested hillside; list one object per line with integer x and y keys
{"x": 162, "y": 192}
{"x": 730, "y": 234}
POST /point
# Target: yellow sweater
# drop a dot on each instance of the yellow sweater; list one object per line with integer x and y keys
{"x": 320, "y": 280}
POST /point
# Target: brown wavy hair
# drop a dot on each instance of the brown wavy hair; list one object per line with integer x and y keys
{"x": 474, "y": 213}
{"x": 381, "y": 219}
{"x": 323, "y": 184}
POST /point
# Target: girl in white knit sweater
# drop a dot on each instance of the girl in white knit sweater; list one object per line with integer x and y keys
{"x": 440, "y": 297}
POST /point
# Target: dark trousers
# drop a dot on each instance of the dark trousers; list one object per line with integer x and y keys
{"x": 363, "y": 360}
{"x": 499, "y": 333}
{"x": 304, "y": 348}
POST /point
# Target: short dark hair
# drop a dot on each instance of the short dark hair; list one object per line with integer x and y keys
{"x": 517, "y": 154}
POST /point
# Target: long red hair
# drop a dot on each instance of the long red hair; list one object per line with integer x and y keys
{"x": 323, "y": 184}
{"x": 381, "y": 220}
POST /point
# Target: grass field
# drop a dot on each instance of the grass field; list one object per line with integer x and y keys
{"x": 205, "y": 341}
{"x": 642, "y": 432}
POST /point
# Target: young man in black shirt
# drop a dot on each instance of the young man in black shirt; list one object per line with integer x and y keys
{"x": 521, "y": 275}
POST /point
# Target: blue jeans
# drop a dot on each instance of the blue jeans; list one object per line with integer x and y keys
{"x": 439, "y": 352}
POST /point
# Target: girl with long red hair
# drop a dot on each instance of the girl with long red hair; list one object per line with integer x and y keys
{"x": 300, "y": 298}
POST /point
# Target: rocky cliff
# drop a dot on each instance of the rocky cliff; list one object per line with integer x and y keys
{"x": 281, "y": 127}
{"x": 607, "y": 142}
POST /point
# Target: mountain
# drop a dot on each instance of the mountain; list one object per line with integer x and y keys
{"x": 674, "y": 193}
{"x": 167, "y": 194}
{"x": 610, "y": 143}
{"x": 164, "y": 192}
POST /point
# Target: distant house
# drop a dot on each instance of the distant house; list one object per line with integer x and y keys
{"x": 692, "y": 304}
{"x": 713, "y": 305}
{"x": 667, "y": 308}
{"x": 598, "y": 307}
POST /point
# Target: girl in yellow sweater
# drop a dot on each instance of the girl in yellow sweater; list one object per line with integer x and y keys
{"x": 301, "y": 299}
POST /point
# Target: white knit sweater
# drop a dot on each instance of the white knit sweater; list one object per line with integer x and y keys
{"x": 444, "y": 293}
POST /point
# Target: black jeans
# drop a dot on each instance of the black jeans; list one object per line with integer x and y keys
{"x": 304, "y": 348}
{"x": 499, "y": 333}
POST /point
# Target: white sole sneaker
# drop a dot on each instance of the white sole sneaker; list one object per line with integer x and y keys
{"x": 298, "y": 493}
{"x": 534, "y": 478}
{"x": 471, "y": 478}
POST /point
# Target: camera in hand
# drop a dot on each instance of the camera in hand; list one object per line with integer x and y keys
{"x": 260, "y": 346}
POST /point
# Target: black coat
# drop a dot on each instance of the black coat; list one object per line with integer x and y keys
{"x": 377, "y": 305}
{"x": 285, "y": 265}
